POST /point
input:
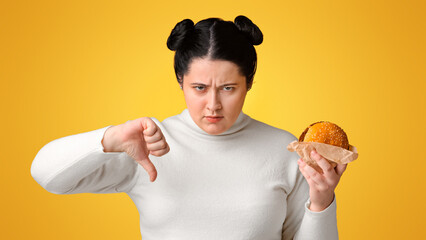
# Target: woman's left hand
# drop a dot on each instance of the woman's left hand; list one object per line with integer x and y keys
{"x": 321, "y": 185}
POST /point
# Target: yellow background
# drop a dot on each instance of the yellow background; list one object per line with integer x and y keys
{"x": 69, "y": 67}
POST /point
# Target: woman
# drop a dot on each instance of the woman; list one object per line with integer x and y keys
{"x": 222, "y": 174}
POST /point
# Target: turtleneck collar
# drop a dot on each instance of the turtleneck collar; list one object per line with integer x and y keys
{"x": 242, "y": 121}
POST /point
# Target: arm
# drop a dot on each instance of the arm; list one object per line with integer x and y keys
{"x": 78, "y": 164}
{"x": 301, "y": 223}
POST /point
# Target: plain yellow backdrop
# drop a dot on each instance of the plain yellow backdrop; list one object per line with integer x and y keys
{"x": 68, "y": 67}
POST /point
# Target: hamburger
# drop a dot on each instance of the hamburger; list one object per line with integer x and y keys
{"x": 329, "y": 140}
{"x": 325, "y": 132}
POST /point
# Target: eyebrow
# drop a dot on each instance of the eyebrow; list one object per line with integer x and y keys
{"x": 226, "y": 84}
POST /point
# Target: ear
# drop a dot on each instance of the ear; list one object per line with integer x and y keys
{"x": 180, "y": 81}
{"x": 249, "y": 86}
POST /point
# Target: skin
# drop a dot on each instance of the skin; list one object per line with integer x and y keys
{"x": 212, "y": 87}
{"x": 321, "y": 185}
{"x": 208, "y": 91}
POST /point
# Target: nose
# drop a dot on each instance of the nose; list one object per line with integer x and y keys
{"x": 213, "y": 101}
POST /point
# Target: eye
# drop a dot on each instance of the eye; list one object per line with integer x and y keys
{"x": 227, "y": 88}
{"x": 199, "y": 88}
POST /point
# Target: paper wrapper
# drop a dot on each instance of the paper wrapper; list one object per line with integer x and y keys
{"x": 332, "y": 153}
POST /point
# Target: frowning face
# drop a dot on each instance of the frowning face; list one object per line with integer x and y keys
{"x": 214, "y": 92}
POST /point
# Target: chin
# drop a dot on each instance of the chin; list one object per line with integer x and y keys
{"x": 214, "y": 131}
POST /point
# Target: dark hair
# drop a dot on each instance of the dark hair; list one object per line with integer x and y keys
{"x": 216, "y": 39}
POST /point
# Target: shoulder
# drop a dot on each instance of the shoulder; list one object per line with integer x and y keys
{"x": 275, "y": 140}
{"x": 169, "y": 121}
{"x": 170, "y": 125}
{"x": 271, "y": 132}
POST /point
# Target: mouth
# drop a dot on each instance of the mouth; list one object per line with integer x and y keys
{"x": 214, "y": 119}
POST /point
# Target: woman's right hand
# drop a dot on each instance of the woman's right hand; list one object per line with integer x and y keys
{"x": 138, "y": 138}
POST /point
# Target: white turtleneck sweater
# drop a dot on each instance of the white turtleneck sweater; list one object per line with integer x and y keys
{"x": 241, "y": 184}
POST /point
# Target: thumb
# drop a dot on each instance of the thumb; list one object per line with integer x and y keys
{"x": 149, "y": 168}
{"x": 140, "y": 154}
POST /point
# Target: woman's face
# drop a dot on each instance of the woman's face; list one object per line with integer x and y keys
{"x": 214, "y": 93}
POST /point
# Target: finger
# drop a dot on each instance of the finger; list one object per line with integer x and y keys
{"x": 311, "y": 183}
{"x": 149, "y": 127}
{"x": 315, "y": 176}
{"x": 320, "y": 181}
{"x": 340, "y": 168}
{"x": 154, "y": 138}
{"x": 157, "y": 145}
{"x": 159, "y": 132}
{"x": 326, "y": 167}
{"x": 303, "y": 169}
{"x": 161, "y": 152}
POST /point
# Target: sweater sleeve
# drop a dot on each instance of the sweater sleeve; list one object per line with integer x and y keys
{"x": 304, "y": 224}
{"x": 78, "y": 164}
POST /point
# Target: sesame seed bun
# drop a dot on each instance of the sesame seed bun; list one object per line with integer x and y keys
{"x": 325, "y": 132}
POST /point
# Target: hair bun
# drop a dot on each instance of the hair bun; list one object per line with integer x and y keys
{"x": 178, "y": 34}
{"x": 249, "y": 29}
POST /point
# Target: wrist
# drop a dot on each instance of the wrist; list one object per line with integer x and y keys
{"x": 321, "y": 206}
{"x": 110, "y": 141}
